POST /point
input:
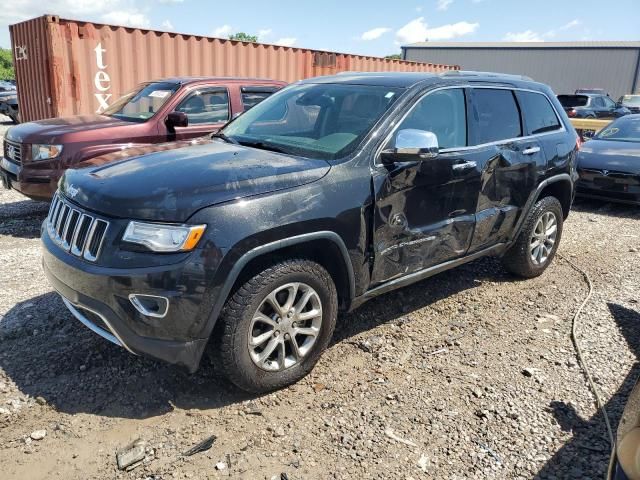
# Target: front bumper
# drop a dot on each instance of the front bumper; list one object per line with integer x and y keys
{"x": 620, "y": 190}
{"x": 98, "y": 297}
{"x": 37, "y": 184}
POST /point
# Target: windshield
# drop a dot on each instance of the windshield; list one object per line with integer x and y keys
{"x": 143, "y": 102}
{"x": 570, "y": 101}
{"x": 626, "y": 129}
{"x": 313, "y": 120}
{"x": 631, "y": 100}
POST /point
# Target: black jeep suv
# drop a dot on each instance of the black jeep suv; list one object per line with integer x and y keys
{"x": 330, "y": 192}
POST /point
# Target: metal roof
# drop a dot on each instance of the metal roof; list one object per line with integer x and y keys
{"x": 606, "y": 44}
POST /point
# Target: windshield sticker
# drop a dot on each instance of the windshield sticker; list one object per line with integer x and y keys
{"x": 609, "y": 131}
{"x": 160, "y": 93}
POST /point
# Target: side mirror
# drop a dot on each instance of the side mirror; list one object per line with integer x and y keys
{"x": 177, "y": 119}
{"x": 412, "y": 145}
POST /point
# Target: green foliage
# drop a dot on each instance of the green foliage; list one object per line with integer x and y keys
{"x": 395, "y": 56}
{"x": 243, "y": 37}
{"x": 6, "y": 64}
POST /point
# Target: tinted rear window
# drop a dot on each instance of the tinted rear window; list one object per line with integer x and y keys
{"x": 539, "y": 116}
{"x": 496, "y": 115}
{"x": 569, "y": 101}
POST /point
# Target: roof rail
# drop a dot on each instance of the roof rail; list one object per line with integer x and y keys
{"x": 471, "y": 73}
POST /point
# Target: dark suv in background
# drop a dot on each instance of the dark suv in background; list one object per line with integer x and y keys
{"x": 590, "y": 105}
{"x": 328, "y": 193}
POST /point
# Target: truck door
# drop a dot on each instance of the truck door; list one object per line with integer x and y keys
{"x": 425, "y": 210}
{"x": 207, "y": 109}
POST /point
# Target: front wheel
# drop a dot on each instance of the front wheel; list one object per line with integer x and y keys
{"x": 276, "y": 325}
{"x": 538, "y": 240}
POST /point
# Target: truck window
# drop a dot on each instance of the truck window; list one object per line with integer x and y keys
{"x": 537, "y": 112}
{"x": 496, "y": 115}
{"x": 206, "y": 106}
{"x": 253, "y": 95}
{"x": 442, "y": 112}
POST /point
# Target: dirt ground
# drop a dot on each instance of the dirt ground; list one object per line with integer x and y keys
{"x": 469, "y": 374}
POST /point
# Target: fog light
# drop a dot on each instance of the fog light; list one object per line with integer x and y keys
{"x": 150, "y": 305}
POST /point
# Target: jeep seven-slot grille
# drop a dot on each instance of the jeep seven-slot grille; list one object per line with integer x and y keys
{"x": 13, "y": 152}
{"x": 75, "y": 231}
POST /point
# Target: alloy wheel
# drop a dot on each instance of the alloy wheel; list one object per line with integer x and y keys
{"x": 543, "y": 238}
{"x": 285, "y": 326}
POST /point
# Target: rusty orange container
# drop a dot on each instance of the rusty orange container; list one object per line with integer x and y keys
{"x": 70, "y": 67}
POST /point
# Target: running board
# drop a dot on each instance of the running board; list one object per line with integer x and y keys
{"x": 424, "y": 273}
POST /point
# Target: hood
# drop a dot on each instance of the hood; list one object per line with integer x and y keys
{"x": 54, "y": 130}
{"x": 172, "y": 185}
{"x": 610, "y": 155}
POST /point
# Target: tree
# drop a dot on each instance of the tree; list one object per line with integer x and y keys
{"x": 395, "y": 56}
{"x": 6, "y": 65}
{"x": 243, "y": 37}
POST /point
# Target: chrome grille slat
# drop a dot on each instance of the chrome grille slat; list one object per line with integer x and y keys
{"x": 17, "y": 151}
{"x": 77, "y": 232}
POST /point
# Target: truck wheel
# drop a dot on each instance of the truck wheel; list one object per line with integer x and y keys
{"x": 538, "y": 240}
{"x": 277, "y": 324}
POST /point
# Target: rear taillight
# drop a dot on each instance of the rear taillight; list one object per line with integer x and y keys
{"x": 571, "y": 113}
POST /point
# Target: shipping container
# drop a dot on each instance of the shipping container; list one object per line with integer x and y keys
{"x": 70, "y": 67}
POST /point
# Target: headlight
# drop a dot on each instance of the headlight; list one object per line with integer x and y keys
{"x": 45, "y": 152}
{"x": 164, "y": 238}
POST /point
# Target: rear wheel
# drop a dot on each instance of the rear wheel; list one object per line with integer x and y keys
{"x": 538, "y": 240}
{"x": 277, "y": 324}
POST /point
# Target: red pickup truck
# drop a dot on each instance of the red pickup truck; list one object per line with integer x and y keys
{"x": 37, "y": 153}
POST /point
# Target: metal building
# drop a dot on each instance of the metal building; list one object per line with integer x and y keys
{"x": 565, "y": 66}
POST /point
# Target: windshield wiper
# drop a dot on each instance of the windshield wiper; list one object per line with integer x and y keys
{"x": 224, "y": 137}
{"x": 262, "y": 146}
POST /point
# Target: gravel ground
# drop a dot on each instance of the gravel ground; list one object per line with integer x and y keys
{"x": 469, "y": 374}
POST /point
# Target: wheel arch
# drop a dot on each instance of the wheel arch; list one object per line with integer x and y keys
{"x": 561, "y": 185}
{"x": 325, "y": 247}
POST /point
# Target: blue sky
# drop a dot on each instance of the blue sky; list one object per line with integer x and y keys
{"x": 364, "y": 27}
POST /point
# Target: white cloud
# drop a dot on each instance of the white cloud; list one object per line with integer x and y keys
{"x": 531, "y": 36}
{"x": 127, "y": 18}
{"x": 571, "y": 24}
{"x": 264, "y": 33}
{"x": 444, "y": 4}
{"x": 286, "y": 41}
{"x": 167, "y": 25}
{"x": 222, "y": 32}
{"x": 417, "y": 30}
{"x": 374, "y": 33}
{"x": 526, "y": 36}
{"x": 171, "y": 1}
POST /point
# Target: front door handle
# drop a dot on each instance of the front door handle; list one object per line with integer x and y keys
{"x": 530, "y": 150}
{"x": 457, "y": 167}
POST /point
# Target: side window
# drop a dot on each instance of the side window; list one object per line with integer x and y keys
{"x": 496, "y": 115}
{"x": 442, "y": 112}
{"x": 538, "y": 114}
{"x": 251, "y": 96}
{"x": 608, "y": 102}
{"x": 206, "y": 106}
{"x": 597, "y": 102}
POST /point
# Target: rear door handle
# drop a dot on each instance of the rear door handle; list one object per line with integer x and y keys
{"x": 530, "y": 150}
{"x": 463, "y": 166}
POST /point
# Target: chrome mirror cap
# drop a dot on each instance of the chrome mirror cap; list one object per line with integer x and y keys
{"x": 412, "y": 141}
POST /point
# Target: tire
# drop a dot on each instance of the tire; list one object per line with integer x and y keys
{"x": 251, "y": 368}
{"x": 519, "y": 258}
